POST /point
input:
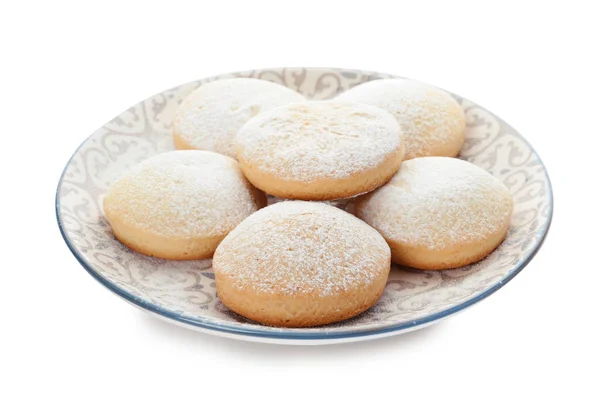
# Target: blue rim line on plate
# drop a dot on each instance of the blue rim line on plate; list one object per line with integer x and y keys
{"x": 299, "y": 334}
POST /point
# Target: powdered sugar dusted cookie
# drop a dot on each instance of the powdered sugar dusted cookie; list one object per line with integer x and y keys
{"x": 439, "y": 212}
{"x": 320, "y": 150}
{"x": 210, "y": 117}
{"x": 432, "y": 121}
{"x": 300, "y": 264}
{"x": 181, "y": 204}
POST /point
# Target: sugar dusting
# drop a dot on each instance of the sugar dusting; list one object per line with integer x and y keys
{"x": 182, "y": 194}
{"x": 211, "y": 116}
{"x": 319, "y": 140}
{"x": 427, "y": 115}
{"x": 298, "y": 248}
{"x": 437, "y": 202}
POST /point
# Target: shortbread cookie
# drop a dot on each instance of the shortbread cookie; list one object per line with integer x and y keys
{"x": 180, "y": 205}
{"x": 439, "y": 212}
{"x": 300, "y": 264}
{"x": 210, "y": 117}
{"x": 320, "y": 150}
{"x": 432, "y": 121}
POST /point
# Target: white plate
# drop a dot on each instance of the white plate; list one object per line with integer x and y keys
{"x": 183, "y": 292}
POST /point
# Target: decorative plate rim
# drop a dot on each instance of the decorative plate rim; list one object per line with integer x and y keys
{"x": 299, "y": 334}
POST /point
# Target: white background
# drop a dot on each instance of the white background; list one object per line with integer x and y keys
{"x": 69, "y": 68}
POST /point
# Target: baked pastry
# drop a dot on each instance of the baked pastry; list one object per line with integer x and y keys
{"x": 432, "y": 121}
{"x": 180, "y": 204}
{"x": 320, "y": 150}
{"x": 300, "y": 264}
{"x": 210, "y": 117}
{"x": 439, "y": 212}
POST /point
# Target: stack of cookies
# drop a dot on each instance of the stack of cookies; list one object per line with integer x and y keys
{"x": 387, "y": 145}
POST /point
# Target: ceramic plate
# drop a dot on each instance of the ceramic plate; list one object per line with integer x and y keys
{"x": 183, "y": 292}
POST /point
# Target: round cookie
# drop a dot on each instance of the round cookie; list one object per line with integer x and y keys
{"x": 210, "y": 117}
{"x": 439, "y": 212}
{"x": 320, "y": 150}
{"x": 432, "y": 121}
{"x": 179, "y": 205}
{"x": 300, "y": 264}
